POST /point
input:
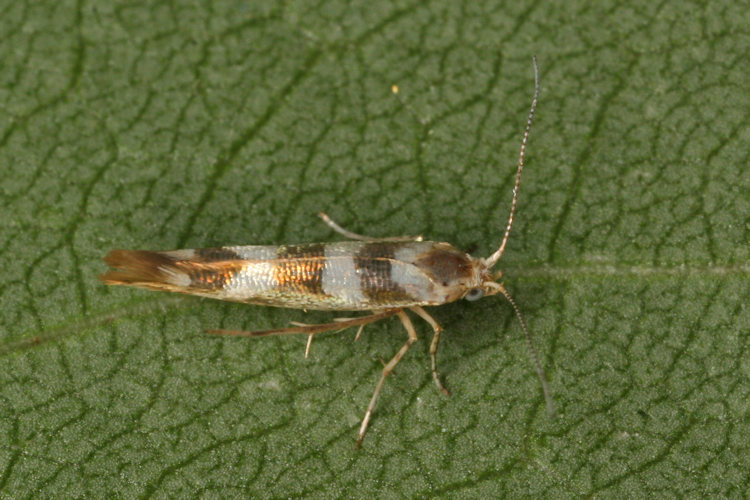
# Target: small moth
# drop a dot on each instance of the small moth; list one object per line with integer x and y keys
{"x": 383, "y": 275}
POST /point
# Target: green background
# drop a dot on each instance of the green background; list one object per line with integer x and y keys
{"x": 178, "y": 125}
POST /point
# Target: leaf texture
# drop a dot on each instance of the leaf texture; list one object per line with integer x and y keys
{"x": 163, "y": 126}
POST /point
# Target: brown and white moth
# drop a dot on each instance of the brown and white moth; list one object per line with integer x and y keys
{"x": 383, "y": 275}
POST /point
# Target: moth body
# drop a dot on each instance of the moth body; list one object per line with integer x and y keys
{"x": 343, "y": 276}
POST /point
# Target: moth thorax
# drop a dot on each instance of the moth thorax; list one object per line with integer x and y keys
{"x": 453, "y": 272}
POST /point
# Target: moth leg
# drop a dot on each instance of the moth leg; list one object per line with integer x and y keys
{"x": 359, "y": 332}
{"x": 338, "y": 320}
{"x": 311, "y": 329}
{"x": 354, "y": 236}
{"x": 309, "y": 338}
{"x": 362, "y": 327}
{"x": 387, "y": 369}
{"x": 309, "y": 343}
{"x": 347, "y": 234}
{"x": 433, "y": 345}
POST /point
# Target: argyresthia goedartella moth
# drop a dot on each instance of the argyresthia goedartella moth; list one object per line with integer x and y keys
{"x": 382, "y": 275}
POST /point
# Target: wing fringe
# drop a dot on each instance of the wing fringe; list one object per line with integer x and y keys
{"x": 145, "y": 269}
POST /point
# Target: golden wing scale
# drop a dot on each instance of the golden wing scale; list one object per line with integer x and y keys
{"x": 383, "y": 275}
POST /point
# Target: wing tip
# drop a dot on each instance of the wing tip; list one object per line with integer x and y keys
{"x": 142, "y": 268}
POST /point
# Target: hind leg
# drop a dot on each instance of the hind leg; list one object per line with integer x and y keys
{"x": 387, "y": 369}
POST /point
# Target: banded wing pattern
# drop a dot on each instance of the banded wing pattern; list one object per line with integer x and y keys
{"x": 351, "y": 275}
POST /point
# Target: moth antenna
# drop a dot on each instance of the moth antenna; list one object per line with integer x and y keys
{"x": 537, "y": 364}
{"x": 492, "y": 259}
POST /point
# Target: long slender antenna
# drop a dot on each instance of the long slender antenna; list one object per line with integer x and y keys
{"x": 492, "y": 259}
{"x": 537, "y": 364}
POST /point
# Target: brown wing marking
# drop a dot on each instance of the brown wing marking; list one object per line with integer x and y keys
{"x": 162, "y": 271}
{"x": 139, "y": 268}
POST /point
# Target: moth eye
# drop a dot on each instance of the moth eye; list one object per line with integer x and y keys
{"x": 475, "y": 294}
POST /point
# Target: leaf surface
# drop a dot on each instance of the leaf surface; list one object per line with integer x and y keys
{"x": 178, "y": 126}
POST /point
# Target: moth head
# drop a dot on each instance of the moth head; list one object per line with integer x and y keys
{"x": 486, "y": 283}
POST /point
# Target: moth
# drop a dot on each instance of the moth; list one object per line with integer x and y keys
{"x": 385, "y": 276}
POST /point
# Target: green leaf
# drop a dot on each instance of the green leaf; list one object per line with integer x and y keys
{"x": 186, "y": 125}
